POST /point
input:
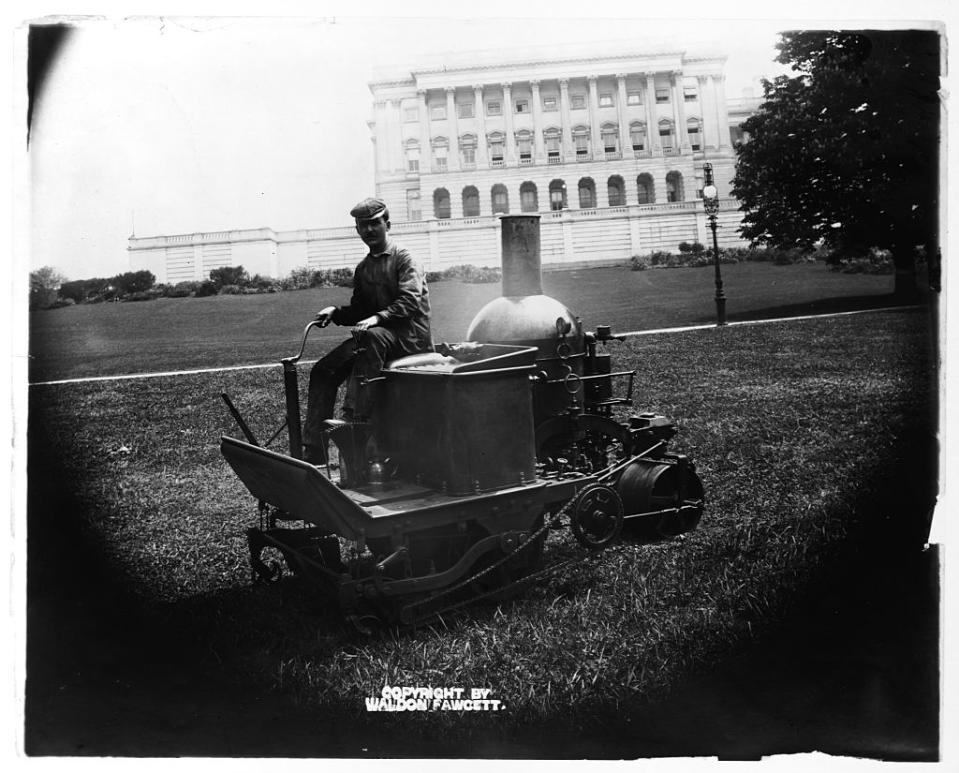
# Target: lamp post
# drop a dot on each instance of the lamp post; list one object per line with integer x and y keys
{"x": 711, "y": 205}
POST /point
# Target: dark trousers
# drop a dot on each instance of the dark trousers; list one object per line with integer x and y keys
{"x": 376, "y": 346}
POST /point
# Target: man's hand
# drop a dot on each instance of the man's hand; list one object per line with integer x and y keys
{"x": 366, "y": 324}
{"x": 325, "y": 316}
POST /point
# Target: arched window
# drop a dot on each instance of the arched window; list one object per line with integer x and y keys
{"x": 524, "y": 146}
{"x": 441, "y": 148}
{"x": 468, "y": 151}
{"x": 674, "y": 187}
{"x": 552, "y": 137}
{"x": 500, "y": 199}
{"x": 529, "y": 201}
{"x": 637, "y": 136}
{"x": 610, "y": 136}
{"x": 587, "y": 193}
{"x": 557, "y": 195}
{"x": 645, "y": 189}
{"x": 470, "y": 202}
{"x": 441, "y": 204}
{"x": 666, "y": 138}
{"x": 496, "y": 148}
{"x": 616, "y": 190}
{"x": 581, "y": 142}
{"x": 695, "y": 137}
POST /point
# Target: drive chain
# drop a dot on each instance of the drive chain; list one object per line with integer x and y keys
{"x": 552, "y": 522}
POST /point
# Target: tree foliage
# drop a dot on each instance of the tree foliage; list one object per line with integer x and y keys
{"x": 229, "y": 275}
{"x": 846, "y": 151}
{"x": 44, "y": 285}
{"x": 134, "y": 281}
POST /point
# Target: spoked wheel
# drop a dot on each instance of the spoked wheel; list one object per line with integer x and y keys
{"x": 597, "y": 516}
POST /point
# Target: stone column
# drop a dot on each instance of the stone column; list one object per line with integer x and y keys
{"x": 596, "y": 142}
{"x": 652, "y": 126}
{"x": 426, "y": 147}
{"x": 482, "y": 160}
{"x": 624, "y": 142}
{"x": 509, "y": 140}
{"x": 713, "y": 93}
{"x": 682, "y": 136}
{"x": 723, "y": 112}
{"x": 538, "y": 152}
{"x": 453, "y": 162}
{"x": 379, "y": 127}
{"x": 393, "y": 136}
{"x": 565, "y": 120}
{"x": 710, "y": 133}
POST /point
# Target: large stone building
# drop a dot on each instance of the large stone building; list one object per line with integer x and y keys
{"x": 606, "y": 142}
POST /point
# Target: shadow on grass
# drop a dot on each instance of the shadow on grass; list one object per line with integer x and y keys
{"x": 853, "y": 670}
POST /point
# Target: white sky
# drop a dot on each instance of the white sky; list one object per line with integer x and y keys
{"x": 164, "y": 125}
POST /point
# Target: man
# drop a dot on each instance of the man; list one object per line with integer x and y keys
{"x": 390, "y": 317}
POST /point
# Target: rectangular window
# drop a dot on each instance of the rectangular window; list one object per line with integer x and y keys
{"x": 666, "y": 138}
{"x": 662, "y": 95}
{"x": 469, "y": 156}
{"x": 638, "y": 139}
{"x": 525, "y": 148}
{"x": 549, "y": 104}
{"x": 496, "y": 153}
{"x": 689, "y": 93}
{"x": 439, "y": 163}
{"x": 694, "y": 139}
{"x": 412, "y": 165}
{"x": 464, "y": 110}
{"x": 438, "y": 112}
{"x": 578, "y": 102}
{"x": 556, "y": 200}
{"x": 494, "y": 108}
{"x": 634, "y": 98}
{"x": 411, "y": 114}
{"x": 605, "y": 100}
{"x": 522, "y": 105}
{"x": 582, "y": 145}
{"x": 609, "y": 143}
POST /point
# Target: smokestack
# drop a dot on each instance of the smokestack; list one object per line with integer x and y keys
{"x": 521, "y": 261}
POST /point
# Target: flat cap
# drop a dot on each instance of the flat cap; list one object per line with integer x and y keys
{"x": 368, "y": 209}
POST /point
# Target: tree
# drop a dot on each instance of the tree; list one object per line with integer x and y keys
{"x": 134, "y": 281}
{"x": 229, "y": 275}
{"x": 846, "y": 152}
{"x": 44, "y": 285}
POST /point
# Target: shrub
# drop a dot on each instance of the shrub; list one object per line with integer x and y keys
{"x": 229, "y": 275}
{"x": 230, "y": 290}
{"x": 181, "y": 289}
{"x": 61, "y": 302}
{"x": 140, "y": 295}
{"x": 261, "y": 284}
{"x": 694, "y": 248}
{"x": 206, "y": 287}
{"x": 639, "y": 263}
{"x": 660, "y": 258}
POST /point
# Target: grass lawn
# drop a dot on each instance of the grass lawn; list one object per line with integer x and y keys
{"x": 815, "y": 441}
{"x": 191, "y": 333}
